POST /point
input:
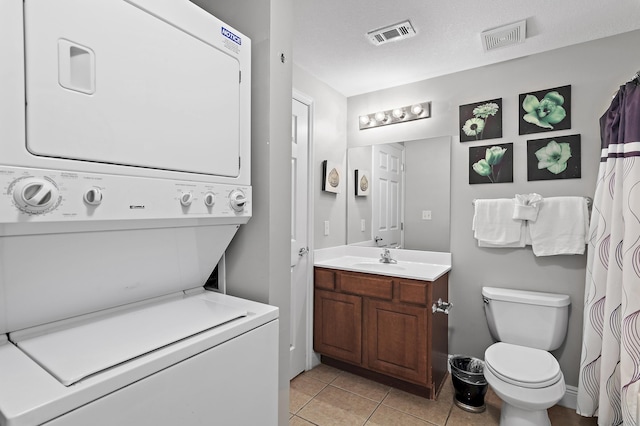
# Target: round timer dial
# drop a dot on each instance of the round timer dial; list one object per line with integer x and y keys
{"x": 36, "y": 195}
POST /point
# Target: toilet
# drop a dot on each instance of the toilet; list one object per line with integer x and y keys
{"x": 519, "y": 368}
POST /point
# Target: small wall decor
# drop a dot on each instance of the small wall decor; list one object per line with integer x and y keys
{"x": 481, "y": 120}
{"x": 331, "y": 177}
{"x": 554, "y": 158}
{"x": 545, "y": 110}
{"x": 491, "y": 163}
{"x": 363, "y": 183}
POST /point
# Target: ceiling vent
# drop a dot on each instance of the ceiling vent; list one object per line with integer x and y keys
{"x": 394, "y": 32}
{"x": 504, "y": 36}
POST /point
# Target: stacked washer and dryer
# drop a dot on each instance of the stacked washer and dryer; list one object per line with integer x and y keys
{"x": 125, "y": 173}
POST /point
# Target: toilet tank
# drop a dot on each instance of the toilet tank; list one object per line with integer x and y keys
{"x": 527, "y": 318}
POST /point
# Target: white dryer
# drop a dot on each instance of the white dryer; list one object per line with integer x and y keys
{"x": 125, "y": 173}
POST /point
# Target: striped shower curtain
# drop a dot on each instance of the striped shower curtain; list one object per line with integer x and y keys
{"x": 610, "y": 363}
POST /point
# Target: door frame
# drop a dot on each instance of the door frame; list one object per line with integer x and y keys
{"x": 311, "y": 359}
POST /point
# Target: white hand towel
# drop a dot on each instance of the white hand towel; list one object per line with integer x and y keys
{"x": 561, "y": 228}
{"x": 493, "y": 222}
{"x": 526, "y": 206}
{"x": 524, "y": 239}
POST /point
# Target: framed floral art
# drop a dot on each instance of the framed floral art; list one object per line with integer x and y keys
{"x": 554, "y": 158}
{"x": 545, "y": 110}
{"x": 481, "y": 120}
{"x": 491, "y": 163}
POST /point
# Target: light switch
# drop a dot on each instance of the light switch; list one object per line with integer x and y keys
{"x": 326, "y": 227}
{"x": 363, "y": 225}
{"x": 426, "y": 214}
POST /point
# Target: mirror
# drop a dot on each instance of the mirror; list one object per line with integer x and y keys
{"x": 426, "y": 190}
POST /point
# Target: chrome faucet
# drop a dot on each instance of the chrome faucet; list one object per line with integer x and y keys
{"x": 385, "y": 257}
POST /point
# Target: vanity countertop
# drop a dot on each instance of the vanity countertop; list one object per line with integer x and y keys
{"x": 412, "y": 264}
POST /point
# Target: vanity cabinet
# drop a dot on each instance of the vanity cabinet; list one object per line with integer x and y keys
{"x": 337, "y": 329}
{"x": 382, "y": 327}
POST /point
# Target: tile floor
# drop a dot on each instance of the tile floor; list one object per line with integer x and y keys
{"x": 326, "y": 396}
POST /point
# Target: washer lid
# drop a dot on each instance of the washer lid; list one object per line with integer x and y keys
{"x": 522, "y": 366}
{"x": 96, "y": 344}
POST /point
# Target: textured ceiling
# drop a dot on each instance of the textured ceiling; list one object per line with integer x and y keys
{"x": 330, "y": 43}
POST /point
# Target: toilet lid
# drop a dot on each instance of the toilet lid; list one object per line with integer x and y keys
{"x": 522, "y": 366}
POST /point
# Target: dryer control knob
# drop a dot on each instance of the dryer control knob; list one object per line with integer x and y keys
{"x": 93, "y": 196}
{"x": 209, "y": 199}
{"x": 237, "y": 200}
{"x": 36, "y": 195}
{"x": 186, "y": 199}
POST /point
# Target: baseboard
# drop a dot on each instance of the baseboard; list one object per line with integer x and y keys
{"x": 570, "y": 398}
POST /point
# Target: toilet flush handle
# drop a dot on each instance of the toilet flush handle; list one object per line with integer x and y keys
{"x": 441, "y": 306}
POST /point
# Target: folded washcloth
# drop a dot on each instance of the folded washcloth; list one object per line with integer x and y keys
{"x": 561, "y": 228}
{"x": 526, "y": 206}
{"x": 493, "y": 222}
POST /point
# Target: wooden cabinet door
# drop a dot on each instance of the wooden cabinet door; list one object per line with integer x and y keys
{"x": 396, "y": 337}
{"x": 337, "y": 326}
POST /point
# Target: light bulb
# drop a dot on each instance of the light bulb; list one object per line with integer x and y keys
{"x": 381, "y": 117}
{"x": 364, "y": 120}
{"x": 398, "y": 113}
{"x": 416, "y": 109}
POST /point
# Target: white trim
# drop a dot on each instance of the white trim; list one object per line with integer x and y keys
{"x": 311, "y": 359}
{"x": 570, "y": 398}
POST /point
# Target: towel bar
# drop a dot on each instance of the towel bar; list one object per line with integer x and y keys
{"x": 589, "y": 201}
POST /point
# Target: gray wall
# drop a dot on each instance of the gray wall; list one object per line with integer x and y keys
{"x": 329, "y": 141}
{"x": 258, "y": 258}
{"x": 358, "y": 208}
{"x": 427, "y": 187}
{"x": 594, "y": 70}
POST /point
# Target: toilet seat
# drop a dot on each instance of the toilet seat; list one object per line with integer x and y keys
{"x": 522, "y": 366}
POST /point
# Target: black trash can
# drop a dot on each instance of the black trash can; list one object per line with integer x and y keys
{"x": 470, "y": 386}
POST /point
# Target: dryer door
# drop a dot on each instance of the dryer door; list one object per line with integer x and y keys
{"x": 110, "y": 82}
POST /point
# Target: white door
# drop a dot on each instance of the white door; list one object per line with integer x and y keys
{"x": 387, "y": 215}
{"x": 300, "y": 267}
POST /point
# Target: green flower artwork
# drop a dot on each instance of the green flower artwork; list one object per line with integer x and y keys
{"x": 545, "y": 110}
{"x": 481, "y": 120}
{"x": 491, "y": 164}
{"x": 554, "y": 158}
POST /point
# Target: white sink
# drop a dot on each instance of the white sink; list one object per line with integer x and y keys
{"x": 413, "y": 264}
{"x": 379, "y": 266}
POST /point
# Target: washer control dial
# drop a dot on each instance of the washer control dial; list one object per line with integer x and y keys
{"x": 237, "y": 200}
{"x": 93, "y": 196}
{"x": 186, "y": 199}
{"x": 36, "y": 195}
{"x": 209, "y": 199}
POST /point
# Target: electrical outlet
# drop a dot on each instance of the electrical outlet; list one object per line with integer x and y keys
{"x": 363, "y": 225}
{"x": 426, "y": 214}
{"x": 326, "y": 227}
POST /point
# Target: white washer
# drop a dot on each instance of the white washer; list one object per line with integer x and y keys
{"x": 125, "y": 173}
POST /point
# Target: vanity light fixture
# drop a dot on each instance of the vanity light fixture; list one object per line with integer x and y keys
{"x": 396, "y": 115}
